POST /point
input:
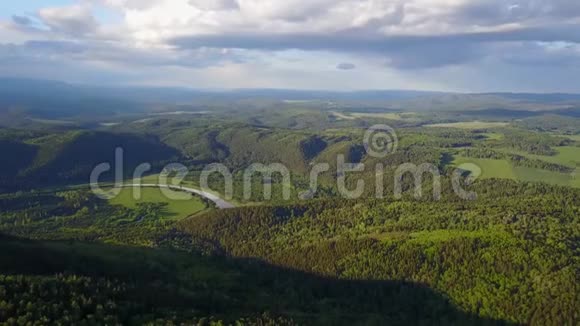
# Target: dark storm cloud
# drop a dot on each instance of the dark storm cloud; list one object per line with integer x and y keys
{"x": 91, "y": 51}
{"x": 345, "y": 66}
{"x": 535, "y": 55}
{"x": 350, "y": 42}
{"x": 54, "y": 46}
{"x": 405, "y": 52}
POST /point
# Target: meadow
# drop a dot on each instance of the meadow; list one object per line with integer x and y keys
{"x": 550, "y": 177}
{"x": 470, "y": 125}
{"x": 500, "y": 169}
{"x": 389, "y": 116}
{"x": 565, "y": 155}
{"x": 503, "y": 169}
{"x": 573, "y": 137}
{"x": 175, "y": 209}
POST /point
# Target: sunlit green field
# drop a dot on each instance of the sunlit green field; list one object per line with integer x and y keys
{"x": 538, "y": 175}
{"x": 471, "y": 125}
{"x": 182, "y": 206}
{"x": 160, "y": 179}
{"x": 501, "y": 169}
{"x": 151, "y": 179}
{"x": 573, "y": 137}
{"x": 389, "y": 116}
{"x": 567, "y": 155}
{"x": 342, "y": 116}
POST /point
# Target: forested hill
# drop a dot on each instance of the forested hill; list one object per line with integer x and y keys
{"x": 47, "y": 158}
{"x": 511, "y": 258}
{"x": 72, "y": 283}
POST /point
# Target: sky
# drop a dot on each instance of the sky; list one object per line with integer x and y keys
{"x": 440, "y": 45}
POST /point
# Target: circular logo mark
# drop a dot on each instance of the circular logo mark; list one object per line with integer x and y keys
{"x": 380, "y": 141}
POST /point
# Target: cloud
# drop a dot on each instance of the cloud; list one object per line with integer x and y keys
{"x": 494, "y": 12}
{"x": 74, "y": 20}
{"x": 402, "y": 51}
{"x": 215, "y": 5}
{"x": 407, "y": 34}
{"x": 346, "y": 66}
{"x": 413, "y": 41}
{"x": 292, "y": 11}
{"x": 129, "y": 4}
{"x": 21, "y": 20}
{"x": 165, "y": 19}
{"x": 118, "y": 54}
{"x": 556, "y": 54}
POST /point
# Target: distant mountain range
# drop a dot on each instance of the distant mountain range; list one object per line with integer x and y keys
{"x": 54, "y": 99}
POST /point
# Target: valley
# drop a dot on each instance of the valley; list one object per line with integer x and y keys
{"x": 174, "y": 252}
{"x": 290, "y": 162}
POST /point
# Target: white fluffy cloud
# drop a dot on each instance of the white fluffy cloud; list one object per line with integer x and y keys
{"x": 406, "y": 31}
{"x": 166, "y": 18}
{"x": 155, "y": 21}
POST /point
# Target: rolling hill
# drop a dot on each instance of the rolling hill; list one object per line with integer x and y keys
{"x": 69, "y": 157}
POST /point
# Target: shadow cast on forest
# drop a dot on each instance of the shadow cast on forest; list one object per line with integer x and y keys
{"x": 233, "y": 288}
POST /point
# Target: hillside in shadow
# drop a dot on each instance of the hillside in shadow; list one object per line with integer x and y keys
{"x": 137, "y": 285}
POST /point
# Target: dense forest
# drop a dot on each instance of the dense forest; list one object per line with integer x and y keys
{"x": 513, "y": 260}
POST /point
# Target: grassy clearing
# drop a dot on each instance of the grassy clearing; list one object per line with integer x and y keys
{"x": 471, "y": 125}
{"x": 342, "y": 116}
{"x": 575, "y": 180}
{"x": 176, "y": 209}
{"x": 408, "y": 116}
{"x": 567, "y": 155}
{"x": 192, "y": 181}
{"x": 151, "y": 179}
{"x": 573, "y": 137}
{"x": 388, "y": 116}
{"x": 159, "y": 179}
{"x": 53, "y": 121}
{"x": 538, "y": 175}
{"x": 501, "y": 169}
